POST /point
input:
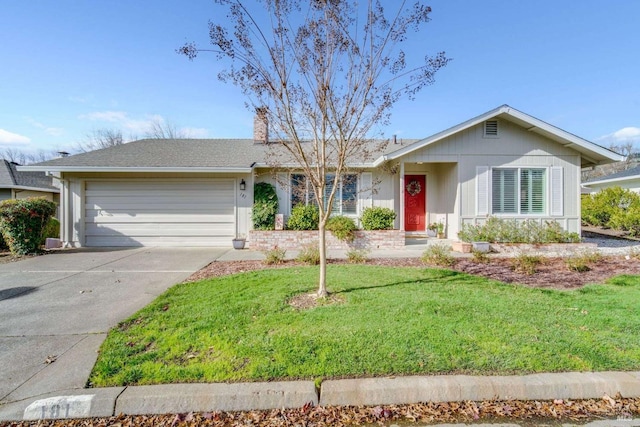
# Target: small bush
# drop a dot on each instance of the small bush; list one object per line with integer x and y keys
{"x": 581, "y": 261}
{"x": 497, "y": 230}
{"x": 309, "y": 254}
{"x": 526, "y": 263}
{"x": 626, "y": 220}
{"x": 357, "y": 256}
{"x": 51, "y": 230}
{"x": 265, "y": 206}
{"x": 480, "y": 257}
{"x": 304, "y": 217}
{"x": 274, "y": 256}
{"x": 342, "y": 227}
{"x": 377, "y": 218}
{"x": 23, "y": 221}
{"x": 438, "y": 254}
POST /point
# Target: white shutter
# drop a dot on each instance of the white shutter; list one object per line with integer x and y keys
{"x": 557, "y": 191}
{"x": 366, "y": 191}
{"x": 282, "y": 191}
{"x": 482, "y": 190}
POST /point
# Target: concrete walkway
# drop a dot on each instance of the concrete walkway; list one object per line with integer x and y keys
{"x": 55, "y": 311}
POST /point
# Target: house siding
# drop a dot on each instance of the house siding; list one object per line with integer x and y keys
{"x": 450, "y": 166}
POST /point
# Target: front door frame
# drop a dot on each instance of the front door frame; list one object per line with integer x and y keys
{"x": 403, "y": 183}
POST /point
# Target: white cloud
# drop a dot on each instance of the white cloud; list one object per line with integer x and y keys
{"x": 626, "y": 134}
{"x": 195, "y": 132}
{"x": 122, "y": 120}
{"x": 7, "y": 137}
{"x": 48, "y": 130}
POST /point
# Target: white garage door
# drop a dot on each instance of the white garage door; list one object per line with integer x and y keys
{"x": 159, "y": 213}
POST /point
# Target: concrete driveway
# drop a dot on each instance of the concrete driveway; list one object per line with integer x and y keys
{"x": 56, "y": 309}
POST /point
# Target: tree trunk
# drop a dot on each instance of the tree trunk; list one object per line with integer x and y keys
{"x": 322, "y": 246}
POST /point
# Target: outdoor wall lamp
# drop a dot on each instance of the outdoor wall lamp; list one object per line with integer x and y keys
{"x": 243, "y": 185}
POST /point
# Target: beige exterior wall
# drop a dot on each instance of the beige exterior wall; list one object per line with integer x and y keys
{"x": 25, "y": 194}
{"x": 72, "y": 198}
{"x": 450, "y": 168}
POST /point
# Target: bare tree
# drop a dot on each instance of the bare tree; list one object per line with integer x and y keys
{"x": 323, "y": 74}
{"x": 626, "y": 149}
{"x": 101, "y": 138}
{"x": 27, "y": 157}
{"x": 161, "y": 129}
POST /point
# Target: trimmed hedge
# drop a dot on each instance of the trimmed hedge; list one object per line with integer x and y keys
{"x": 377, "y": 218}
{"x": 342, "y": 227}
{"x": 304, "y": 217}
{"x": 23, "y": 222}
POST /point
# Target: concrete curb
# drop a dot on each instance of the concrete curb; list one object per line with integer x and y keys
{"x": 453, "y": 388}
{"x": 182, "y": 398}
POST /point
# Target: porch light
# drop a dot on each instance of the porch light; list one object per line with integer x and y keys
{"x": 243, "y": 185}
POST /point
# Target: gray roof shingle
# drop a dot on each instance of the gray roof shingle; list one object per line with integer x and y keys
{"x": 629, "y": 173}
{"x": 12, "y": 178}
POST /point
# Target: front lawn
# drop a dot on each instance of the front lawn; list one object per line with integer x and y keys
{"x": 400, "y": 321}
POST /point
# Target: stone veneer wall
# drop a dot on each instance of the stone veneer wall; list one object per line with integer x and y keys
{"x": 290, "y": 239}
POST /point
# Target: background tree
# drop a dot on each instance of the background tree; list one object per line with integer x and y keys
{"x": 101, "y": 138}
{"x": 322, "y": 74}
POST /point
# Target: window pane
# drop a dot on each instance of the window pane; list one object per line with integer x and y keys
{"x": 298, "y": 189}
{"x": 327, "y": 192}
{"x": 350, "y": 194}
{"x": 504, "y": 196}
{"x": 532, "y": 194}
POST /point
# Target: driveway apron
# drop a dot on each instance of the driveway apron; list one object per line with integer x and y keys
{"x": 56, "y": 309}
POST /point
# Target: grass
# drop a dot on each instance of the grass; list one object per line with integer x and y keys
{"x": 389, "y": 321}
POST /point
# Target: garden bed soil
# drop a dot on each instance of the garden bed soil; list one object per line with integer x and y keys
{"x": 551, "y": 273}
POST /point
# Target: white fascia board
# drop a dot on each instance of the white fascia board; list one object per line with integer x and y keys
{"x": 569, "y": 137}
{"x": 132, "y": 169}
{"x": 25, "y": 188}
{"x": 608, "y": 181}
{"x": 297, "y": 166}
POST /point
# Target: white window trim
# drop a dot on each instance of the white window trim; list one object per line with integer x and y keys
{"x": 547, "y": 198}
{"x": 338, "y": 196}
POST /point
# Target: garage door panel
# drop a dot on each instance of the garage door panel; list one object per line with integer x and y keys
{"x": 159, "y": 213}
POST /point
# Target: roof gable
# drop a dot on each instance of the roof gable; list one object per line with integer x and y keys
{"x": 10, "y": 177}
{"x": 591, "y": 154}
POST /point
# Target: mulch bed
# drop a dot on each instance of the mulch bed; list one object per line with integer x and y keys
{"x": 423, "y": 413}
{"x": 551, "y": 273}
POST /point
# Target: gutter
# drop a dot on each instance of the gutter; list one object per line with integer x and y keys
{"x": 133, "y": 169}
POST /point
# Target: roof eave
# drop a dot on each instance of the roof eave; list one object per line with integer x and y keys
{"x": 609, "y": 181}
{"x": 134, "y": 169}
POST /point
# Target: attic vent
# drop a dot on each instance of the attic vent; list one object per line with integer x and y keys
{"x": 491, "y": 128}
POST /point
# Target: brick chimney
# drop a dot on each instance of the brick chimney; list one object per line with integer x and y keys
{"x": 261, "y": 126}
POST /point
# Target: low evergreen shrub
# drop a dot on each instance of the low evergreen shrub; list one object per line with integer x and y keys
{"x": 22, "y": 223}
{"x": 609, "y": 204}
{"x": 438, "y": 254}
{"x": 309, "y": 254}
{"x": 497, "y": 230}
{"x": 274, "y": 256}
{"x": 342, "y": 227}
{"x": 51, "y": 230}
{"x": 304, "y": 217}
{"x": 377, "y": 218}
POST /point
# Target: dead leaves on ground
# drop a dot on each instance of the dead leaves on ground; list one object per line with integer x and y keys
{"x": 425, "y": 413}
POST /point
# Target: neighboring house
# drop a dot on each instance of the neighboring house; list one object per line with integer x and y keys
{"x": 629, "y": 179}
{"x": 16, "y": 184}
{"x": 200, "y": 192}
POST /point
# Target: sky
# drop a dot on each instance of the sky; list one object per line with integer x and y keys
{"x": 70, "y": 67}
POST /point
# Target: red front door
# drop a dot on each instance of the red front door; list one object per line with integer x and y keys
{"x": 414, "y": 203}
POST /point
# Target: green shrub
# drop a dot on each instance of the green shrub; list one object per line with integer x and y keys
{"x": 626, "y": 220}
{"x": 598, "y": 209}
{"x": 377, "y": 218}
{"x": 357, "y": 256}
{"x": 274, "y": 256}
{"x": 480, "y": 257}
{"x": 581, "y": 261}
{"x": 23, "y": 221}
{"x": 309, "y": 254}
{"x": 497, "y": 230}
{"x": 526, "y": 263}
{"x": 304, "y": 217}
{"x": 51, "y": 230}
{"x": 342, "y": 227}
{"x": 265, "y": 206}
{"x": 438, "y": 254}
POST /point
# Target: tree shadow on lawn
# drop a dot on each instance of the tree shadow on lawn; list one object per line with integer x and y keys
{"x": 438, "y": 277}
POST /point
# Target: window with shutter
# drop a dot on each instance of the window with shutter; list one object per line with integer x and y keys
{"x": 346, "y": 198}
{"x": 519, "y": 191}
